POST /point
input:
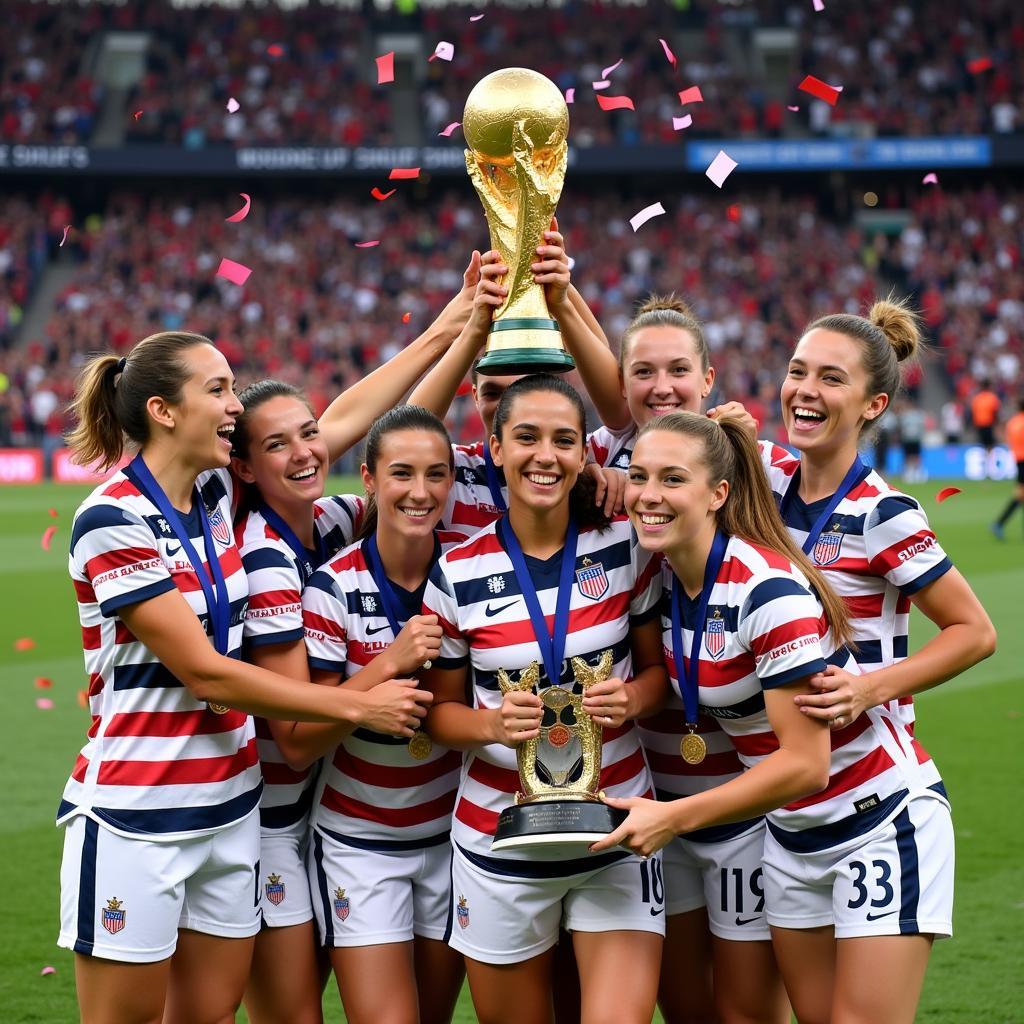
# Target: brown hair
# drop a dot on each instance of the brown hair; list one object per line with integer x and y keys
{"x": 666, "y": 311}
{"x": 111, "y": 396}
{"x": 889, "y": 335}
{"x": 251, "y": 397}
{"x": 750, "y": 511}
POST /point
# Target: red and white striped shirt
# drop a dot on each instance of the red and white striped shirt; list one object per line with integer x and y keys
{"x": 471, "y": 505}
{"x": 612, "y": 448}
{"x": 158, "y": 762}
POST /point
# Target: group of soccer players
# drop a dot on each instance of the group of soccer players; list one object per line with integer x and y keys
{"x": 300, "y": 748}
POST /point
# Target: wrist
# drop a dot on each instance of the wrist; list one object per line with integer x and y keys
{"x": 873, "y": 694}
{"x": 493, "y": 733}
{"x": 354, "y": 707}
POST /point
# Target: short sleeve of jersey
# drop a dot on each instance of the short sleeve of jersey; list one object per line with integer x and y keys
{"x": 645, "y": 598}
{"x": 323, "y": 615}
{"x": 439, "y": 600}
{"x": 338, "y": 519}
{"x": 900, "y": 544}
{"x": 274, "y": 615}
{"x": 601, "y": 442}
{"x": 781, "y": 624}
{"x": 114, "y": 551}
{"x": 779, "y": 464}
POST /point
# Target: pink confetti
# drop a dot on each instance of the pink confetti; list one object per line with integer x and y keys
{"x": 53, "y": 513}
{"x": 42, "y": 683}
{"x": 47, "y": 970}
{"x": 137, "y": 114}
{"x": 24, "y": 643}
{"x": 275, "y": 50}
{"x": 47, "y": 539}
{"x": 820, "y": 90}
{"x": 236, "y": 273}
{"x": 236, "y": 218}
{"x": 947, "y": 492}
{"x": 67, "y": 228}
{"x": 679, "y": 123}
{"x": 44, "y": 703}
{"x": 639, "y": 219}
{"x": 406, "y": 317}
{"x": 980, "y": 64}
{"x": 386, "y": 68}
{"x": 475, "y": 17}
{"x": 670, "y": 56}
{"x": 368, "y": 245}
{"x": 615, "y": 103}
{"x": 83, "y": 698}
{"x": 691, "y": 95}
{"x": 607, "y": 71}
{"x": 233, "y": 105}
{"x": 381, "y": 196}
{"x": 598, "y": 86}
{"x": 403, "y": 173}
{"x": 720, "y": 168}
{"x": 819, "y": 5}
{"x": 570, "y": 95}
{"x": 931, "y": 178}
{"x": 447, "y": 133}
{"x": 443, "y": 51}
{"x": 794, "y": 109}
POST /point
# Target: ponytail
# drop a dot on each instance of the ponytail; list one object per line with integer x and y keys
{"x": 97, "y": 436}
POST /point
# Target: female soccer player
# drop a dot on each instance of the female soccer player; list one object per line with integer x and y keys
{"x": 552, "y": 580}
{"x": 854, "y": 849}
{"x": 161, "y": 845}
{"x": 877, "y": 550}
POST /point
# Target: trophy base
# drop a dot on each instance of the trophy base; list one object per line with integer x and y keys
{"x": 569, "y": 826}
{"x": 524, "y": 345}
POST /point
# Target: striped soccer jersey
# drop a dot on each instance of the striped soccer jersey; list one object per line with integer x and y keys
{"x": 877, "y": 551}
{"x": 773, "y": 632}
{"x": 373, "y": 792}
{"x": 470, "y": 505}
{"x": 158, "y": 763}
{"x": 275, "y": 617}
{"x": 478, "y": 598}
{"x": 612, "y": 448}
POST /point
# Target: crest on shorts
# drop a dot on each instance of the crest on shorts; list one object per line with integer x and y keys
{"x": 827, "y": 546}
{"x": 714, "y": 635}
{"x": 275, "y": 889}
{"x": 341, "y": 904}
{"x": 462, "y": 912}
{"x": 592, "y": 581}
{"x": 219, "y": 526}
{"x": 114, "y": 915}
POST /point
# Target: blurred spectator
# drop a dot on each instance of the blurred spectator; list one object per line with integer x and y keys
{"x": 984, "y": 414}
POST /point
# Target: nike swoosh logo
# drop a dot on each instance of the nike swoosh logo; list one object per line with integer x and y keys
{"x": 878, "y": 917}
{"x": 489, "y": 611}
{"x": 172, "y": 551}
{"x": 741, "y": 921}
{"x": 655, "y": 913}
{"x": 380, "y": 629}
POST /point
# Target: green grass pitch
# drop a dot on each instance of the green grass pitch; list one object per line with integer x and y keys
{"x": 972, "y": 726}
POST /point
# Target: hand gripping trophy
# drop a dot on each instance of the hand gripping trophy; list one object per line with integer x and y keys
{"x": 516, "y": 123}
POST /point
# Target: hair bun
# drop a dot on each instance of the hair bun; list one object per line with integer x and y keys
{"x": 672, "y": 302}
{"x": 899, "y": 323}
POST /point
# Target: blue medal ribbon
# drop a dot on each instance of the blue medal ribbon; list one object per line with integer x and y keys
{"x": 218, "y": 604}
{"x": 388, "y": 598}
{"x": 689, "y": 681}
{"x": 852, "y": 475}
{"x": 552, "y": 649}
{"x": 287, "y": 534}
{"x": 493, "y": 480}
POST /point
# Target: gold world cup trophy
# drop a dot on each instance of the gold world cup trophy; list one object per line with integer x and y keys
{"x": 516, "y": 123}
{"x": 559, "y": 771}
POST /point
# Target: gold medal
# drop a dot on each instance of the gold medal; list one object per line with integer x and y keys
{"x": 218, "y": 709}
{"x": 692, "y": 748}
{"x": 420, "y": 746}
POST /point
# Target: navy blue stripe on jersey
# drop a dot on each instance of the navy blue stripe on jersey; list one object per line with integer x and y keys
{"x": 321, "y": 887}
{"x": 212, "y": 491}
{"x": 715, "y": 833}
{"x": 922, "y": 581}
{"x": 489, "y": 680}
{"x": 255, "y": 559}
{"x": 166, "y": 820}
{"x": 791, "y": 676}
{"x": 285, "y": 636}
{"x": 910, "y": 878}
{"x": 378, "y": 737}
{"x": 890, "y": 507}
{"x": 285, "y": 815}
{"x": 802, "y": 517}
{"x": 450, "y": 917}
{"x": 742, "y": 709}
{"x": 775, "y": 588}
{"x": 689, "y": 608}
{"x": 386, "y": 845}
{"x": 148, "y": 676}
{"x": 110, "y": 607}
{"x": 940, "y": 788}
{"x": 824, "y": 837}
{"x": 99, "y": 517}
{"x": 542, "y": 868}
{"x": 86, "y": 937}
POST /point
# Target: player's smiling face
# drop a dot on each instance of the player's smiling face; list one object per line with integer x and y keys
{"x": 824, "y": 396}
{"x": 287, "y": 457}
{"x": 411, "y": 481}
{"x": 487, "y": 392}
{"x": 670, "y": 498}
{"x": 541, "y": 449}
{"x": 662, "y": 373}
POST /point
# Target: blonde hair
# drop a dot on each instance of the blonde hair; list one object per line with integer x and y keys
{"x": 666, "y": 311}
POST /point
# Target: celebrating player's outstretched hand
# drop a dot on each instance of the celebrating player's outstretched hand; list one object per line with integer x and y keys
{"x": 840, "y": 698}
{"x": 418, "y": 643}
{"x": 551, "y": 268}
{"x": 518, "y": 718}
{"x": 645, "y": 831}
{"x": 395, "y": 707}
{"x": 607, "y": 702}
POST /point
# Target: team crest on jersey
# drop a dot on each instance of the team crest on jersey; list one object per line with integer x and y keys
{"x": 369, "y": 603}
{"x": 827, "y": 546}
{"x": 714, "y": 635}
{"x": 495, "y": 584}
{"x": 462, "y": 912}
{"x": 593, "y": 582}
{"x": 342, "y": 906}
{"x": 275, "y": 889}
{"x": 219, "y": 526}
{"x": 114, "y": 915}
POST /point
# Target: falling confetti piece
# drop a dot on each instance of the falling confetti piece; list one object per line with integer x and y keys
{"x": 24, "y": 643}
{"x": 235, "y": 218}
{"x": 381, "y": 196}
{"x": 406, "y": 317}
{"x": 733, "y": 212}
{"x": 233, "y": 105}
{"x": 570, "y": 95}
{"x": 818, "y": 5}
{"x": 47, "y": 538}
{"x": 670, "y": 56}
{"x": 44, "y": 703}
{"x": 275, "y": 50}
{"x": 386, "y": 68}
{"x": 679, "y": 123}
{"x": 402, "y": 173}
{"x": 83, "y": 698}
{"x": 720, "y": 168}
{"x": 447, "y": 133}
{"x": 639, "y": 219}
{"x": 475, "y": 17}
{"x": 691, "y": 95}
{"x": 946, "y": 492}
{"x": 236, "y": 273}
{"x": 47, "y": 970}
{"x": 137, "y": 114}
{"x": 67, "y": 228}
{"x": 607, "y": 71}
{"x": 368, "y": 245}
{"x": 980, "y": 64}
{"x": 443, "y": 51}
{"x": 53, "y": 513}
{"x": 931, "y": 178}
{"x": 42, "y": 683}
{"x": 794, "y": 109}
{"x": 598, "y": 86}
{"x": 820, "y": 90}
{"x": 615, "y": 103}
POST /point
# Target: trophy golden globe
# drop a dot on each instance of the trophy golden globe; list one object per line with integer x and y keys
{"x": 559, "y": 805}
{"x": 516, "y": 123}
